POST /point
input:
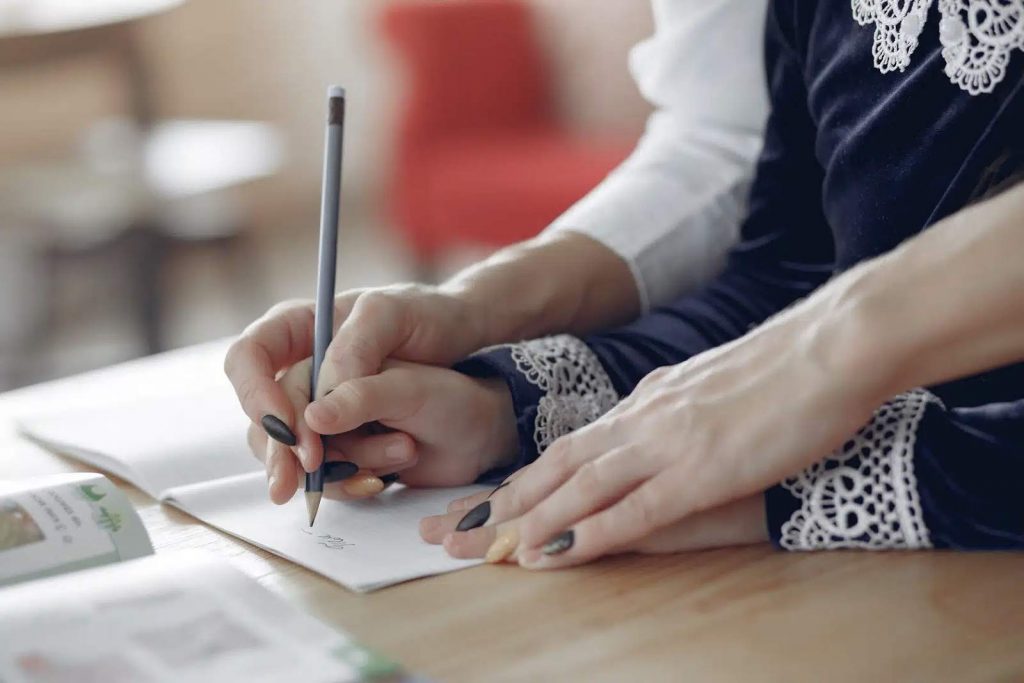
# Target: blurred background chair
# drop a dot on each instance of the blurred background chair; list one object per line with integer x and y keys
{"x": 160, "y": 160}
{"x": 483, "y": 158}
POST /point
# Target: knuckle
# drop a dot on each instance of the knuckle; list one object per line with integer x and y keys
{"x": 239, "y": 349}
{"x": 588, "y": 481}
{"x": 645, "y": 507}
{"x": 285, "y": 307}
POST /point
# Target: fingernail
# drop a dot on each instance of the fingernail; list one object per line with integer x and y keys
{"x": 389, "y": 479}
{"x": 499, "y": 486}
{"x": 396, "y": 452}
{"x": 560, "y": 543}
{"x": 339, "y": 470}
{"x": 277, "y": 430}
{"x": 303, "y": 454}
{"x": 322, "y": 412}
{"x": 476, "y": 517}
{"x": 272, "y": 483}
{"x": 363, "y": 485}
{"x": 502, "y": 547}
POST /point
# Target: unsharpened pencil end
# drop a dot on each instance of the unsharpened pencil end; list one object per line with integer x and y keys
{"x": 313, "y": 504}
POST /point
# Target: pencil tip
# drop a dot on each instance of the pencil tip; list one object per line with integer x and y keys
{"x": 312, "y": 504}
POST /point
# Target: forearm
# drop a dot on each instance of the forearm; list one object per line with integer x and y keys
{"x": 946, "y": 304}
{"x": 562, "y": 282}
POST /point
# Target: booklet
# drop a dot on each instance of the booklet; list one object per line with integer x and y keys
{"x": 171, "y": 425}
{"x": 58, "y": 524}
{"x": 176, "y": 617}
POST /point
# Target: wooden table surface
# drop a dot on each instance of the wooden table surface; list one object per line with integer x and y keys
{"x": 738, "y": 614}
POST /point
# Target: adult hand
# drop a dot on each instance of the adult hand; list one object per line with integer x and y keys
{"x": 691, "y": 438}
{"x": 448, "y": 429}
{"x": 410, "y": 322}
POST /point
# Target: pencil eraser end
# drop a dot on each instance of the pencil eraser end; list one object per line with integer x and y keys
{"x": 335, "y": 91}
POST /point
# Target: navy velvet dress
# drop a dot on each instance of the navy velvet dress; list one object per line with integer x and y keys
{"x": 854, "y": 162}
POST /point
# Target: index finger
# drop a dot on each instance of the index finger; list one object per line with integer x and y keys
{"x": 389, "y": 396}
{"x": 282, "y": 337}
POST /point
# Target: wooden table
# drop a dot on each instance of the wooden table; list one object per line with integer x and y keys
{"x": 740, "y": 614}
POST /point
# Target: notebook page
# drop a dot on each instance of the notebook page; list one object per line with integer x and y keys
{"x": 363, "y": 545}
{"x": 159, "y": 423}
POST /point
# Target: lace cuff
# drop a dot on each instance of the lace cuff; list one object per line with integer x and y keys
{"x": 864, "y": 495}
{"x": 557, "y": 384}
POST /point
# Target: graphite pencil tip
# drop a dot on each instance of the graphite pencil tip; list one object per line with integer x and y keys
{"x": 312, "y": 504}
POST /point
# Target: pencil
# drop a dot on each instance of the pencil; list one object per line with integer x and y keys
{"x": 323, "y": 325}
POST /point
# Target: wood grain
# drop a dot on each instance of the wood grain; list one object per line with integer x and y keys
{"x": 735, "y": 614}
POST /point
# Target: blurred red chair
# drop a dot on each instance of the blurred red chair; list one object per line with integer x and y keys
{"x": 481, "y": 156}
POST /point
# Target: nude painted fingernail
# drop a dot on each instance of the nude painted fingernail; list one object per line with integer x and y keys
{"x": 362, "y": 485}
{"x": 503, "y": 546}
{"x": 560, "y": 543}
{"x": 272, "y": 484}
{"x": 276, "y": 429}
{"x": 476, "y": 517}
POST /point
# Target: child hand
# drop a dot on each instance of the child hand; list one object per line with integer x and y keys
{"x": 447, "y": 429}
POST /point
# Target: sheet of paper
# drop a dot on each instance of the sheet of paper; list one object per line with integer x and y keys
{"x": 177, "y": 617}
{"x": 363, "y": 545}
{"x": 160, "y": 423}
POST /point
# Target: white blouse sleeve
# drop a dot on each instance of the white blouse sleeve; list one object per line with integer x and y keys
{"x": 672, "y": 209}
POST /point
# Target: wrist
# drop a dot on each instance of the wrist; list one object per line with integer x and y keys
{"x": 502, "y": 440}
{"x": 859, "y": 338}
{"x": 558, "y": 282}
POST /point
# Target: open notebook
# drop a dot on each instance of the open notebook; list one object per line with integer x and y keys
{"x": 170, "y": 424}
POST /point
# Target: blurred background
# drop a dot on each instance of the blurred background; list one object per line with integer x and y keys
{"x": 160, "y": 160}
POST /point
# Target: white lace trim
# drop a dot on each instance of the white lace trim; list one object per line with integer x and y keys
{"x": 864, "y": 495}
{"x": 576, "y": 388}
{"x": 977, "y": 36}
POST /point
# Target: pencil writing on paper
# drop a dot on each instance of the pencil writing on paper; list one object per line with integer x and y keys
{"x": 328, "y": 541}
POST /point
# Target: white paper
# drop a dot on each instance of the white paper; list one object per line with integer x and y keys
{"x": 170, "y": 618}
{"x": 165, "y": 422}
{"x": 363, "y": 545}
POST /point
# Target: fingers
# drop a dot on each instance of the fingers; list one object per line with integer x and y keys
{"x": 649, "y": 507}
{"x": 282, "y": 337}
{"x": 394, "y": 394}
{"x": 536, "y": 482}
{"x": 740, "y": 522}
{"x": 595, "y": 485}
{"x": 282, "y": 472}
{"x": 376, "y": 326}
{"x": 295, "y": 385}
{"x": 378, "y": 453}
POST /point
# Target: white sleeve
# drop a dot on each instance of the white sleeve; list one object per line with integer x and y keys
{"x": 672, "y": 209}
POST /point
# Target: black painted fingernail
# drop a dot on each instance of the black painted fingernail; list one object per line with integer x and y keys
{"x": 277, "y": 430}
{"x": 476, "y": 517}
{"x": 339, "y": 470}
{"x": 560, "y": 543}
{"x": 499, "y": 486}
{"x": 389, "y": 479}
